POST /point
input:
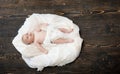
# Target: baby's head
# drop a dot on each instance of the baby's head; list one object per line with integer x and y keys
{"x": 28, "y": 38}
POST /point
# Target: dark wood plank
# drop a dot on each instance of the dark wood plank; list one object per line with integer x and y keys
{"x": 100, "y": 29}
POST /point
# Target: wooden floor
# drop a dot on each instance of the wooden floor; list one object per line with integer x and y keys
{"x": 99, "y": 21}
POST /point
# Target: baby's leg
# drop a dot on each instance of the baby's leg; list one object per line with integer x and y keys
{"x": 62, "y": 40}
{"x": 65, "y": 30}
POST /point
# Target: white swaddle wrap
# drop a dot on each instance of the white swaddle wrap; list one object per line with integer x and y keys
{"x": 58, "y": 54}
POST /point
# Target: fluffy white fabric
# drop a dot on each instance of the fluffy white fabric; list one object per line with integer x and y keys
{"x": 59, "y": 54}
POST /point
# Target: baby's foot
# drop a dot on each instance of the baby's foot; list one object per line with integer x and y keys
{"x": 65, "y": 30}
{"x": 70, "y": 40}
{"x": 70, "y": 30}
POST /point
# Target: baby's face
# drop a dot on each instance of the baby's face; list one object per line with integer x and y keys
{"x": 28, "y": 38}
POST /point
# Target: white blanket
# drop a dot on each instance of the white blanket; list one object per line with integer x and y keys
{"x": 58, "y": 54}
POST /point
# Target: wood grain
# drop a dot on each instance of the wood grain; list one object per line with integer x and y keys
{"x": 99, "y": 24}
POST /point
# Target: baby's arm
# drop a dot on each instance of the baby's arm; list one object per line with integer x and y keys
{"x": 41, "y": 48}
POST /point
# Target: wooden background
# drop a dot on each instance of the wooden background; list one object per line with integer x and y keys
{"x": 99, "y": 21}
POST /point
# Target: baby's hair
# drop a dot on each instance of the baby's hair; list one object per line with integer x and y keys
{"x": 25, "y": 42}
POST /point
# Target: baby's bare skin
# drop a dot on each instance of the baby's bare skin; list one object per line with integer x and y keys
{"x": 38, "y": 36}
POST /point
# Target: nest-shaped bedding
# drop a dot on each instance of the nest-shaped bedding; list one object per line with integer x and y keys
{"x": 58, "y": 54}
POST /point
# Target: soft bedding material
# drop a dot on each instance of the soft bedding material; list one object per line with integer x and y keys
{"x": 58, "y": 54}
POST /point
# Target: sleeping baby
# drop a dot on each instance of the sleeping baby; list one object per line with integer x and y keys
{"x": 38, "y": 35}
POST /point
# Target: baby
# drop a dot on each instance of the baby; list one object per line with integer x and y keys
{"x": 37, "y": 36}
